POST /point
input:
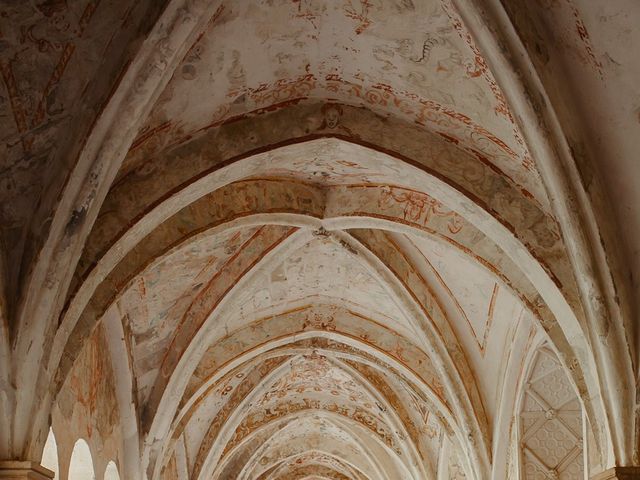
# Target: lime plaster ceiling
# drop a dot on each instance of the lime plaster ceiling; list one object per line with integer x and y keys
{"x": 321, "y": 239}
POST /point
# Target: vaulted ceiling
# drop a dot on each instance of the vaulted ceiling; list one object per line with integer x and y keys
{"x": 319, "y": 240}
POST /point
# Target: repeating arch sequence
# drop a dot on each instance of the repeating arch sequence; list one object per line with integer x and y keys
{"x": 329, "y": 214}
{"x": 338, "y": 166}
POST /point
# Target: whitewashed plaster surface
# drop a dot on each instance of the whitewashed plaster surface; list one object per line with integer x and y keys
{"x": 296, "y": 239}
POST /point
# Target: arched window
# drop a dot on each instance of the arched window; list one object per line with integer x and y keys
{"x": 50, "y": 455}
{"x": 81, "y": 466}
{"x": 551, "y": 422}
{"x": 111, "y": 473}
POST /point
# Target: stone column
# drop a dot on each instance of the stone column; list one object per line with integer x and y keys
{"x": 17, "y": 470}
{"x": 619, "y": 473}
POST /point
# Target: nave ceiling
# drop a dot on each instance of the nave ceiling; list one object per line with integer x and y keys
{"x": 289, "y": 239}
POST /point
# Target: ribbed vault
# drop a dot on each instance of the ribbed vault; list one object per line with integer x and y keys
{"x": 304, "y": 240}
{"x": 277, "y": 297}
{"x": 364, "y": 275}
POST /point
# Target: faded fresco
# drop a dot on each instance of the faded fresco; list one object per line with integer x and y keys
{"x": 313, "y": 240}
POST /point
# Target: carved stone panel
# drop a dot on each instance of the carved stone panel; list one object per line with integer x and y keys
{"x": 551, "y": 426}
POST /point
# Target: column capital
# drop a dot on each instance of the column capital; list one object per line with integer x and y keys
{"x": 619, "y": 473}
{"x": 17, "y": 470}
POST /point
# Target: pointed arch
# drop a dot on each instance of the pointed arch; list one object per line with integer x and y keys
{"x": 333, "y": 213}
{"x": 81, "y": 198}
{"x": 50, "y": 455}
{"x": 120, "y": 357}
{"x": 598, "y": 286}
{"x": 81, "y": 463}
{"x": 559, "y": 317}
{"x": 111, "y": 472}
